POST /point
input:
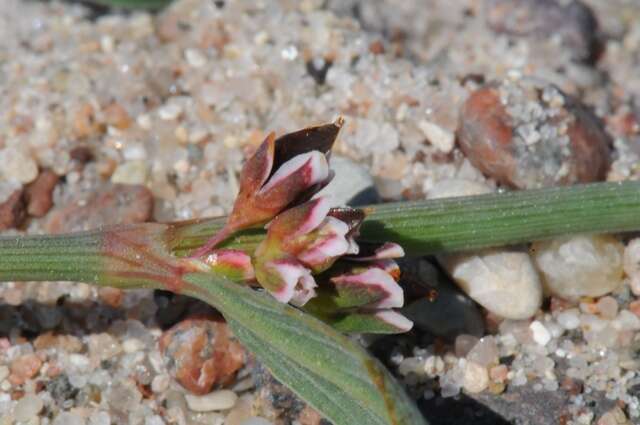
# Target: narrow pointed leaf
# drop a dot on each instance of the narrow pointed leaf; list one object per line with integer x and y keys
{"x": 300, "y": 349}
{"x": 473, "y": 222}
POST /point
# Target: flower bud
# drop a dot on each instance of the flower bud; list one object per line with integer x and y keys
{"x": 282, "y": 173}
{"x": 231, "y": 263}
{"x": 301, "y": 241}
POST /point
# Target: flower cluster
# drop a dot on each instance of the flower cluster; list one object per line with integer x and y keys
{"x": 309, "y": 257}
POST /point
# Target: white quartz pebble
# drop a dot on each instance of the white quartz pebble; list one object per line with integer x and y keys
{"x": 580, "y": 266}
{"x": 504, "y": 282}
{"x": 476, "y": 378}
{"x": 217, "y": 400}
{"x": 541, "y": 334}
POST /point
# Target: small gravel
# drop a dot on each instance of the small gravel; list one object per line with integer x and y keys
{"x": 131, "y": 117}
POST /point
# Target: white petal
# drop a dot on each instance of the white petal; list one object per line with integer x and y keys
{"x": 317, "y": 163}
{"x": 395, "y": 319}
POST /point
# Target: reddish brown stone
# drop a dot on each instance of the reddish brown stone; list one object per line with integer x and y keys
{"x": 488, "y": 137}
{"x": 12, "y": 211}
{"x": 485, "y": 134}
{"x": 310, "y": 416}
{"x": 115, "y": 115}
{"x": 39, "y": 194}
{"x": 68, "y": 343}
{"x": 24, "y": 367}
{"x": 634, "y": 307}
{"x": 376, "y": 47}
{"x": 111, "y": 296}
{"x": 118, "y": 204}
{"x": 571, "y": 386}
{"x": 84, "y": 123}
{"x": 82, "y": 154}
{"x": 201, "y": 353}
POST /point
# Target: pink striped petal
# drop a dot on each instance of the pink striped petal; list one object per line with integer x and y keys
{"x": 329, "y": 245}
{"x": 395, "y": 319}
{"x": 313, "y": 165}
{"x": 232, "y": 263}
{"x": 378, "y": 279}
{"x": 387, "y": 251}
{"x": 293, "y": 281}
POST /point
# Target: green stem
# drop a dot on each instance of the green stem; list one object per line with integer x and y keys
{"x": 465, "y": 223}
{"x": 76, "y": 257}
{"x": 113, "y": 256}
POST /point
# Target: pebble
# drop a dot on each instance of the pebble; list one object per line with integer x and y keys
{"x": 111, "y": 296}
{"x": 607, "y": 307}
{"x": 492, "y": 278}
{"x": 18, "y": 166}
{"x": 39, "y": 194}
{"x": 68, "y": 419}
{"x": 498, "y": 373}
{"x": 25, "y": 367}
{"x": 131, "y": 172}
{"x": 100, "y": 418}
{"x": 476, "y": 378}
{"x": 505, "y": 283}
{"x": 117, "y": 204}
{"x": 12, "y": 210}
{"x": 4, "y": 372}
{"x": 160, "y": 383}
{"x": 464, "y": 343}
{"x": 352, "y": 185}
{"x": 201, "y": 353}
{"x": 195, "y": 58}
{"x": 526, "y": 133}
{"x": 448, "y": 188}
{"x": 27, "y": 407}
{"x": 170, "y": 111}
{"x": 439, "y": 137}
{"x": 579, "y": 266}
{"x": 632, "y": 265}
{"x": 217, "y": 400}
{"x": 116, "y": 116}
{"x": 485, "y": 352}
{"x": 540, "y": 333}
{"x": 573, "y": 23}
{"x": 569, "y": 319}
{"x": 614, "y": 416}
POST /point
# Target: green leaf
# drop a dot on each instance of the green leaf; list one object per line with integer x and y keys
{"x": 325, "y": 368}
{"x": 471, "y": 222}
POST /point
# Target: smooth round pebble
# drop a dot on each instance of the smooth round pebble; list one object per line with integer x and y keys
{"x": 217, "y": 400}
{"x": 27, "y": 407}
{"x": 485, "y": 352}
{"x": 505, "y": 283}
{"x": 131, "y": 172}
{"x": 449, "y": 188}
{"x": 569, "y": 319}
{"x": 579, "y": 266}
{"x": 526, "y": 133}
{"x": 540, "y": 333}
{"x": 476, "y": 378}
{"x": 632, "y": 265}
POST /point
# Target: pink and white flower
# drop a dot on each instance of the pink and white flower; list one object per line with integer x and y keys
{"x": 282, "y": 173}
{"x": 301, "y": 241}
